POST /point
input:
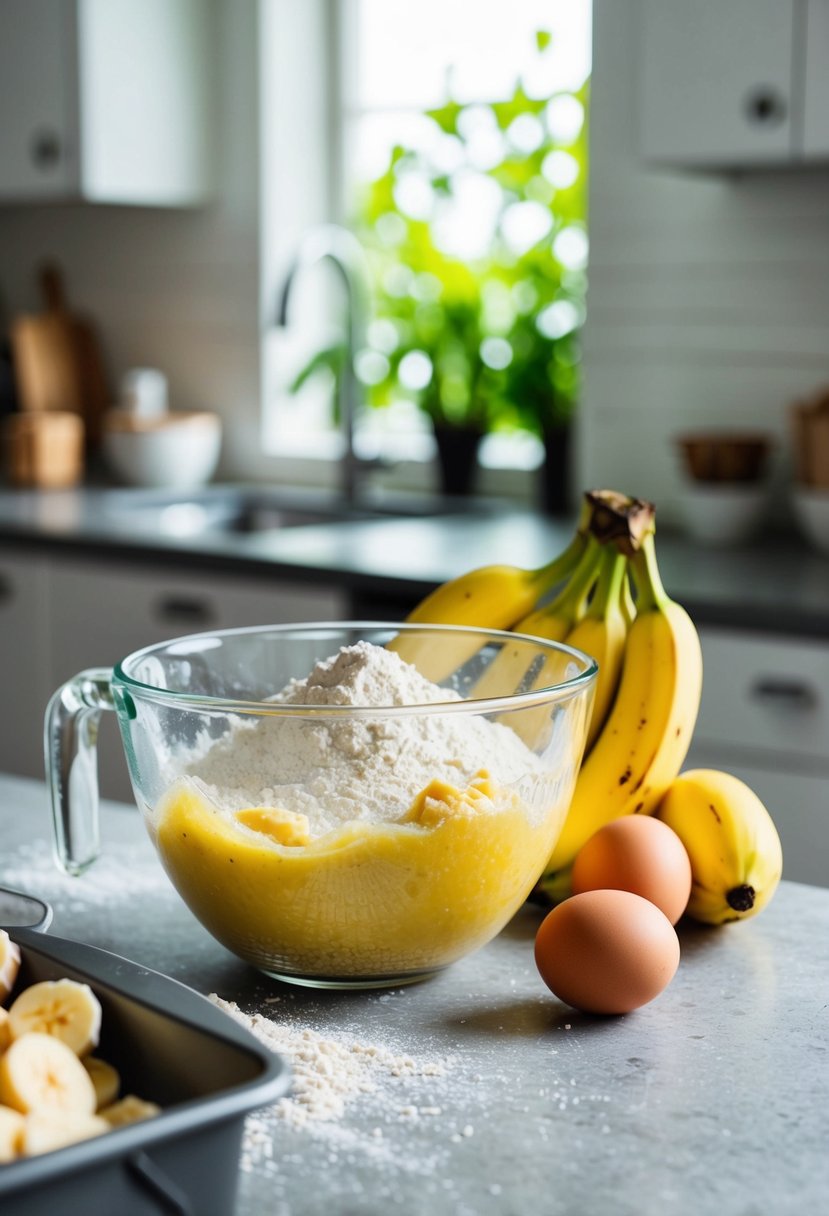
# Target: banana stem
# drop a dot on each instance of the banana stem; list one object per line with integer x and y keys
{"x": 571, "y": 600}
{"x": 651, "y": 595}
{"x": 612, "y": 574}
{"x": 620, "y": 518}
{"x": 627, "y": 600}
{"x": 560, "y": 567}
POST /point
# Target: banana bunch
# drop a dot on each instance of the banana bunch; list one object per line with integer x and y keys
{"x": 603, "y": 595}
{"x": 644, "y": 738}
{"x": 733, "y": 845}
{"x": 650, "y": 663}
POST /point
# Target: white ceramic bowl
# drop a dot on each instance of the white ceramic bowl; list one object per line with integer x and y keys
{"x": 176, "y": 451}
{"x": 719, "y": 513}
{"x": 811, "y": 508}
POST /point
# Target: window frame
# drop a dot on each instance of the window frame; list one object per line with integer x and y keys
{"x": 322, "y": 33}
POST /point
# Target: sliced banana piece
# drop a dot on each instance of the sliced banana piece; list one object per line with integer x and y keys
{"x": 285, "y": 827}
{"x": 46, "y": 1130}
{"x": 130, "y": 1109}
{"x": 12, "y": 1124}
{"x": 5, "y": 1032}
{"x": 65, "y": 1009}
{"x": 105, "y": 1078}
{"x": 9, "y": 964}
{"x": 40, "y": 1072}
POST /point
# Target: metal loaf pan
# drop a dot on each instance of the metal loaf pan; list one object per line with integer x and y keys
{"x": 173, "y": 1047}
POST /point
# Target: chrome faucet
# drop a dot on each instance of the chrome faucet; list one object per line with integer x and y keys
{"x": 331, "y": 243}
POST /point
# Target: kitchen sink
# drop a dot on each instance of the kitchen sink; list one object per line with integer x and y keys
{"x": 193, "y": 517}
{"x": 232, "y": 511}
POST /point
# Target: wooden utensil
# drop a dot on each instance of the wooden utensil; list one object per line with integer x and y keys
{"x": 43, "y": 449}
{"x": 810, "y": 438}
{"x": 57, "y": 359}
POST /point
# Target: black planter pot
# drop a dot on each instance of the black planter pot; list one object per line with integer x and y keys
{"x": 457, "y": 458}
{"x": 554, "y": 484}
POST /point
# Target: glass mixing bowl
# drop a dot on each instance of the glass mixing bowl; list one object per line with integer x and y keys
{"x": 336, "y": 845}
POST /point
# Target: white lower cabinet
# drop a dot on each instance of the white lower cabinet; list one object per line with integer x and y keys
{"x": 67, "y": 615}
{"x": 104, "y": 611}
{"x": 24, "y": 662}
{"x": 765, "y": 718}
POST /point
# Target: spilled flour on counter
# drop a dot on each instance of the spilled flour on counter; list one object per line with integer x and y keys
{"x": 329, "y": 1073}
{"x": 379, "y": 1113}
{"x": 115, "y": 877}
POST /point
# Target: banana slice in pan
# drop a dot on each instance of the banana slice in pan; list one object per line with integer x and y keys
{"x": 9, "y": 964}
{"x": 130, "y": 1109}
{"x": 12, "y": 1124}
{"x": 105, "y": 1078}
{"x": 45, "y": 1130}
{"x": 40, "y": 1072}
{"x": 65, "y": 1009}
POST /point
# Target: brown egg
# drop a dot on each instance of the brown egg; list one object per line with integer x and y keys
{"x": 636, "y": 853}
{"x": 606, "y": 951}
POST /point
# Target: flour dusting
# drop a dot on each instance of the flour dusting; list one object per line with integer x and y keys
{"x": 331, "y": 1073}
{"x": 328, "y": 1072}
{"x": 115, "y": 877}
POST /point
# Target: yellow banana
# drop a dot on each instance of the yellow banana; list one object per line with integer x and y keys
{"x": 648, "y": 731}
{"x": 490, "y": 597}
{"x": 553, "y": 621}
{"x": 494, "y": 597}
{"x": 730, "y": 837}
{"x": 602, "y": 633}
{"x": 628, "y": 602}
{"x": 519, "y": 665}
{"x": 508, "y": 669}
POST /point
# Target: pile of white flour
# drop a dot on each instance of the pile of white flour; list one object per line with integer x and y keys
{"x": 357, "y": 768}
{"x": 329, "y": 1071}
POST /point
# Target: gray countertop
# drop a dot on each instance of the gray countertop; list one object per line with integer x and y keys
{"x": 778, "y": 584}
{"x": 712, "y": 1099}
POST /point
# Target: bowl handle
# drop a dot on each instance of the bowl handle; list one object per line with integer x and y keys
{"x": 70, "y": 741}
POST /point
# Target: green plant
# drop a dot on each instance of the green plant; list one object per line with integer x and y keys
{"x": 500, "y": 329}
{"x": 486, "y": 339}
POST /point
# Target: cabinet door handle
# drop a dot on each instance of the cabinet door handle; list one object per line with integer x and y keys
{"x": 185, "y": 610}
{"x": 6, "y": 588}
{"x": 793, "y": 693}
{"x": 45, "y": 149}
{"x": 764, "y": 106}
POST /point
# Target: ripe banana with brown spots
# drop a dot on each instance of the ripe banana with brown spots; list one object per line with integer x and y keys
{"x": 646, "y": 736}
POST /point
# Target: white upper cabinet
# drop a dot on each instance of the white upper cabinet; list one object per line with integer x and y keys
{"x": 734, "y": 83}
{"x": 105, "y": 101}
{"x": 816, "y": 81}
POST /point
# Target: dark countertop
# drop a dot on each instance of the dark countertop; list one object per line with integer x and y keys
{"x": 712, "y": 1099}
{"x": 779, "y": 585}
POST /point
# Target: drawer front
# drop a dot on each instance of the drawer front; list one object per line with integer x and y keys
{"x": 768, "y": 695}
{"x": 104, "y": 612}
{"x": 798, "y": 803}
{"x": 24, "y": 661}
{"x": 107, "y": 611}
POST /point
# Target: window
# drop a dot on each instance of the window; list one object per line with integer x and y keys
{"x": 446, "y": 168}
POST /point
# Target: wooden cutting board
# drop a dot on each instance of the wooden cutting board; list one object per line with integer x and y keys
{"x": 57, "y": 359}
